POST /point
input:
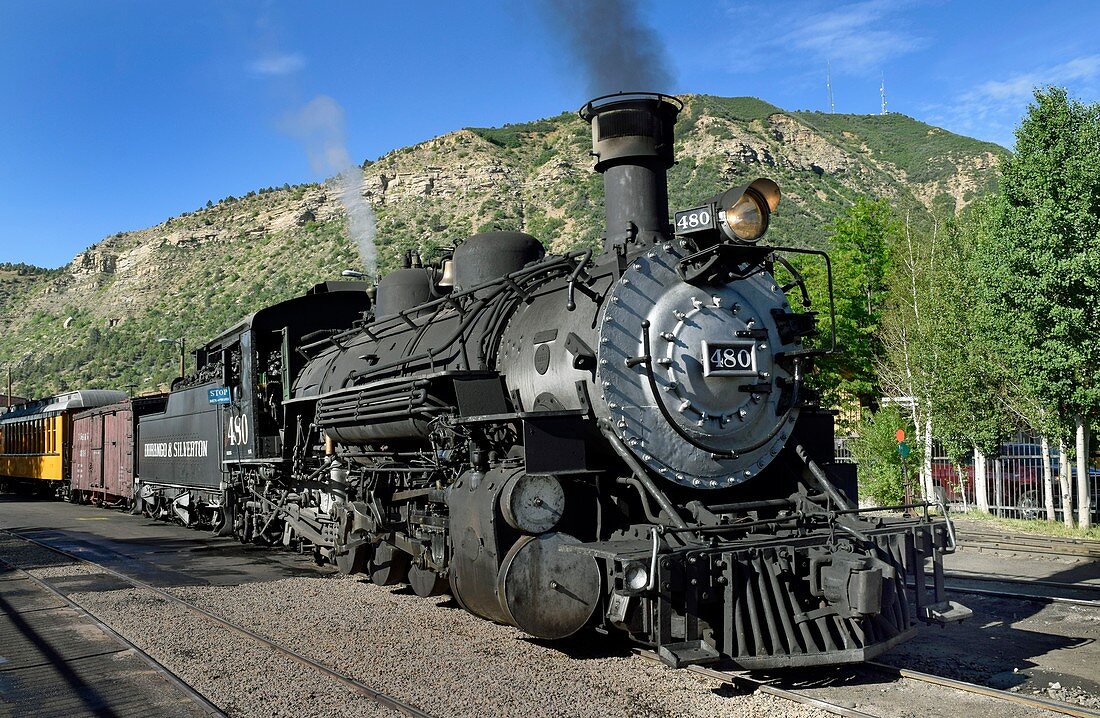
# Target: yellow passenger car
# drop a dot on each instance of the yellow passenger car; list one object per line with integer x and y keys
{"x": 36, "y": 437}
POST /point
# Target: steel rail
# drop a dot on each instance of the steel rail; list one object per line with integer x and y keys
{"x": 1024, "y": 543}
{"x": 202, "y": 701}
{"x": 1017, "y": 698}
{"x": 378, "y": 697}
{"x": 735, "y": 678}
{"x": 1020, "y": 580}
{"x": 1036, "y": 598}
{"x": 764, "y": 687}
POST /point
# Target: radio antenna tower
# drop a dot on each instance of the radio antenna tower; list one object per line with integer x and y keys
{"x": 882, "y": 93}
{"x": 829, "y": 85}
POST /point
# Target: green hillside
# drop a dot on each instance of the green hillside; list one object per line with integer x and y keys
{"x": 96, "y": 321}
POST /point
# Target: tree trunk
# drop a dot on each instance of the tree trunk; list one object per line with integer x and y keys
{"x": 1067, "y": 489}
{"x": 1084, "y": 500}
{"x": 962, "y": 486}
{"x": 1048, "y": 480}
{"x": 926, "y": 467}
{"x": 981, "y": 495}
{"x": 999, "y": 486}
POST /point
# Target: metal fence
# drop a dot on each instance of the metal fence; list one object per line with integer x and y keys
{"x": 1012, "y": 481}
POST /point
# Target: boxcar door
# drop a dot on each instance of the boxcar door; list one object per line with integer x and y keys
{"x": 95, "y": 483}
{"x": 126, "y": 425}
{"x": 114, "y": 442}
{"x": 82, "y": 453}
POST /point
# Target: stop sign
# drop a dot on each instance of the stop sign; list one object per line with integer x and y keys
{"x": 900, "y": 435}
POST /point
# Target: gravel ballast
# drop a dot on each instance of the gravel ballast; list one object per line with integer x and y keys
{"x": 451, "y": 663}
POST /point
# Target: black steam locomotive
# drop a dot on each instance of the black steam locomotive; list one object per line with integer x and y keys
{"x": 621, "y": 441}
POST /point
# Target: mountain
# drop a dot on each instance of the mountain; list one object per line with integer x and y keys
{"x": 96, "y": 321}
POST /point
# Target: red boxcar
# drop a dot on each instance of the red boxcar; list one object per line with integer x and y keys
{"x": 103, "y": 457}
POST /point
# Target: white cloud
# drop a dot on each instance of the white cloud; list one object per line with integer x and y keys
{"x": 273, "y": 65}
{"x": 992, "y": 109}
{"x": 1019, "y": 87}
{"x": 857, "y": 37}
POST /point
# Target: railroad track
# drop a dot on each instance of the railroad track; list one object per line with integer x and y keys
{"x": 1026, "y": 543}
{"x": 1026, "y": 585}
{"x": 775, "y": 687}
{"x": 194, "y": 696}
{"x": 349, "y": 682}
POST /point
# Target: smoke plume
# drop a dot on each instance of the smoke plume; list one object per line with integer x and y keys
{"x": 616, "y": 50}
{"x": 320, "y": 127}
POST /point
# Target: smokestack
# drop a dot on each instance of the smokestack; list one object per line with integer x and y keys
{"x": 632, "y": 140}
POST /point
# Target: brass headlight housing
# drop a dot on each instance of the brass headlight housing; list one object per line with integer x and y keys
{"x": 744, "y": 211}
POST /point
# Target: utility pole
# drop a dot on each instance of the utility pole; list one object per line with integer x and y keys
{"x": 882, "y": 93}
{"x": 829, "y": 85}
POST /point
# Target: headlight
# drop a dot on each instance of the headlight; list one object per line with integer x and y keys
{"x": 636, "y": 576}
{"x": 747, "y": 219}
{"x": 740, "y": 214}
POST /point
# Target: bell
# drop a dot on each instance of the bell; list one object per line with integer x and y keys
{"x": 448, "y": 279}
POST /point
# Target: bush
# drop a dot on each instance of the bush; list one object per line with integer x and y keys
{"x": 875, "y": 449}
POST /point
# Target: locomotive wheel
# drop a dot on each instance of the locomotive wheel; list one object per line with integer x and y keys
{"x": 389, "y": 566}
{"x": 426, "y": 583}
{"x": 352, "y": 560}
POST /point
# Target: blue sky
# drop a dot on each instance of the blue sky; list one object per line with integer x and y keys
{"x": 118, "y": 114}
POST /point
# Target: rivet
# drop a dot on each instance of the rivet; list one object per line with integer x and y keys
{"x": 668, "y": 336}
{"x": 695, "y": 482}
{"x": 717, "y": 301}
{"x": 729, "y": 479}
{"x": 651, "y": 254}
{"x": 760, "y": 464}
{"x": 742, "y": 413}
{"x": 679, "y": 477}
{"x": 763, "y": 345}
{"x": 683, "y": 244}
{"x": 637, "y": 265}
{"x": 607, "y": 385}
{"x": 684, "y": 406}
{"x": 604, "y": 340}
{"x": 647, "y": 457}
{"x": 679, "y": 315}
{"x": 713, "y": 484}
{"x": 697, "y": 302}
{"x": 664, "y": 361}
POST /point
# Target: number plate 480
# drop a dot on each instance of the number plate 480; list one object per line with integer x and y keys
{"x": 729, "y": 358}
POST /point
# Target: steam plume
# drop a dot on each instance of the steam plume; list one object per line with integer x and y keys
{"x": 320, "y": 127}
{"x": 616, "y": 49}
